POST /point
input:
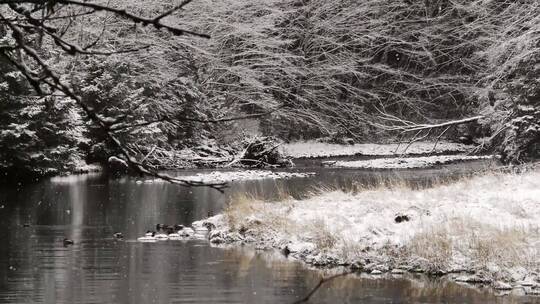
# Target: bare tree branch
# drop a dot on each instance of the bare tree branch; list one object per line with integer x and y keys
{"x": 155, "y": 22}
{"x": 321, "y": 282}
{"x": 174, "y": 9}
{"x": 418, "y": 127}
{"x": 174, "y": 120}
{"x": 53, "y": 81}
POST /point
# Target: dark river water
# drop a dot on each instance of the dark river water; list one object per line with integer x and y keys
{"x": 35, "y": 266}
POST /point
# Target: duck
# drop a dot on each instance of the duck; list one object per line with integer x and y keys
{"x": 118, "y": 235}
{"x": 165, "y": 228}
{"x": 68, "y": 242}
{"x": 148, "y": 237}
{"x": 175, "y": 235}
{"x": 161, "y": 236}
{"x": 187, "y": 232}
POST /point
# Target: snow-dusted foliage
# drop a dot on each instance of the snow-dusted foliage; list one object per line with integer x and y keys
{"x": 339, "y": 69}
{"x": 339, "y": 64}
{"x": 147, "y": 98}
{"x": 36, "y": 135}
{"x": 148, "y": 106}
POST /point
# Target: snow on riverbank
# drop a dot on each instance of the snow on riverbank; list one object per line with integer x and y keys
{"x": 486, "y": 229}
{"x": 403, "y": 163}
{"x": 311, "y": 149}
{"x": 239, "y": 175}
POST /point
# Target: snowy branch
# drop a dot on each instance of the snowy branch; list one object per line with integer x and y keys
{"x": 321, "y": 282}
{"x": 155, "y": 22}
{"x": 45, "y": 80}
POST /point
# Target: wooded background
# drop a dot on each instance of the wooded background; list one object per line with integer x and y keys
{"x": 341, "y": 70}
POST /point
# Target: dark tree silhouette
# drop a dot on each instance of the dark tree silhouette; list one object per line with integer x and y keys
{"x": 24, "y": 22}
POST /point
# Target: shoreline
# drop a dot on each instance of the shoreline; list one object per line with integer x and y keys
{"x": 478, "y": 231}
{"x": 421, "y": 162}
{"x": 311, "y": 150}
{"x": 314, "y": 150}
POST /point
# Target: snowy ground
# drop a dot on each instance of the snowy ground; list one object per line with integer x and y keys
{"x": 482, "y": 230}
{"x": 87, "y": 168}
{"x": 403, "y": 163}
{"x": 238, "y": 175}
{"x": 82, "y": 167}
{"x": 311, "y": 149}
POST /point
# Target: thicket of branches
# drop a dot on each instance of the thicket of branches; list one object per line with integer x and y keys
{"x": 56, "y": 49}
{"x": 342, "y": 68}
{"x": 132, "y": 81}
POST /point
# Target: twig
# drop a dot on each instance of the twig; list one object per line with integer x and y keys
{"x": 156, "y": 22}
{"x": 212, "y": 121}
{"x": 407, "y": 126}
{"x": 174, "y": 9}
{"x": 149, "y": 153}
{"x": 415, "y": 139}
{"x": 444, "y": 124}
{"x": 439, "y": 138}
{"x": 321, "y": 282}
{"x": 240, "y": 156}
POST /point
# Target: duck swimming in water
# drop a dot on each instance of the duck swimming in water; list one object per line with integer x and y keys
{"x": 187, "y": 232}
{"x": 148, "y": 237}
{"x": 68, "y": 242}
{"x": 176, "y": 234}
{"x": 161, "y": 236}
{"x": 167, "y": 229}
{"x": 162, "y": 232}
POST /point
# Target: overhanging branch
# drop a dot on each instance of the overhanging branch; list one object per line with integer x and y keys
{"x": 48, "y": 78}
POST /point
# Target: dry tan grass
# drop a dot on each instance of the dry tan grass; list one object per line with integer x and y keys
{"x": 484, "y": 245}
{"x": 351, "y": 251}
{"x": 354, "y": 187}
{"x": 242, "y": 206}
{"x": 434, "y": 245}
{"x": 472, "y": 224}
{"x": 382, "y": 182}
{"x": 239, "y": 207}
{"x": 504, "y": 247}
{"x": 322, "y": 236}
{"x": 282, "y": 194}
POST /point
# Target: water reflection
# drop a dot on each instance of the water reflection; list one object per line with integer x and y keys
{"x": 35, "y": 266}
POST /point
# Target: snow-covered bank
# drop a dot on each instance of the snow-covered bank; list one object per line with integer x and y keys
{"x": 485, "y": 229}
{"x": 312, "y": 149}
{"x": 403, "y": 163}
{"x": 86, "y": 168}
{"x": 237, "y": 175}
